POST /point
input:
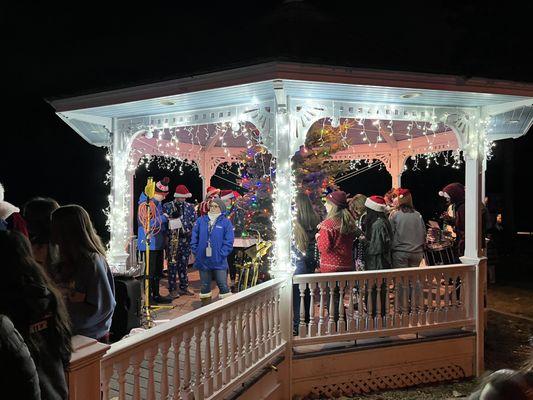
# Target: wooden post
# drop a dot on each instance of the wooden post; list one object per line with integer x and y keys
{"x": 473, "y": 188}
{"x": 83, "y": 372}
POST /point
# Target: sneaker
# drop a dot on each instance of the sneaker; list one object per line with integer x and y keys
{"x": 187, "y": 292}
{"x": 174, "y": 294}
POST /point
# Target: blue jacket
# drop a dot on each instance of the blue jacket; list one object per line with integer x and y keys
{"x": 221, "y": 239}
{"x": 157, "y": 241}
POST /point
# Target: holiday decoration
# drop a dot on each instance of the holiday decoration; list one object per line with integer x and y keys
{"x": 254, "y": 208}
{"x": 313, "y": 169}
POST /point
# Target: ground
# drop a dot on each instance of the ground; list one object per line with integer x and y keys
{"x": 507, "y": 343}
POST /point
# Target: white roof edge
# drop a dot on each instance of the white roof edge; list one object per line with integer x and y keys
{"x": 295, "y": 71}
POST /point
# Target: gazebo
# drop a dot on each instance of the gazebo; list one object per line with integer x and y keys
{"x": 210, "y": 119}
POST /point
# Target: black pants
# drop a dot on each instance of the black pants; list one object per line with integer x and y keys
{"x": 155, "y": 264}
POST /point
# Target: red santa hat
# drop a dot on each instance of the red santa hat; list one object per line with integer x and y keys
{"x": 227, "y": 194}
{"x": 376, "y": 203}
{"x": 211, "y": 191}
{"x": 162, "y": 185}
{"x": 236, "y": 194}
{"x": 182, "y": 191}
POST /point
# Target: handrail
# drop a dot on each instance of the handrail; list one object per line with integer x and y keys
{"x": 311, "y": 278}
{"x": 188, "y": 319}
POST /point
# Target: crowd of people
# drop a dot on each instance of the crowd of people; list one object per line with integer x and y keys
{"x": 365, "y": 233}
{"x": 56, "y": 284}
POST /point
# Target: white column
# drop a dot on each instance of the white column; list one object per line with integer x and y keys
{"x": 484, "y": 180}
{"x": 119, "y": 202}
{"x": 282, "y": 193}
{"x": 473, "y": 191}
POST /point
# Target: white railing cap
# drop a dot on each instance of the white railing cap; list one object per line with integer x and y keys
{"x": 319, "y": 277}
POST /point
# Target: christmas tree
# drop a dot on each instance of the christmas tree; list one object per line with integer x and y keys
{"x": 314, "y": 170}
{"x": 255, "y": 206}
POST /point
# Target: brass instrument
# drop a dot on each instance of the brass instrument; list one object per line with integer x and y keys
{"x": 173, "y": 245}
{"x": 255, "y": 253}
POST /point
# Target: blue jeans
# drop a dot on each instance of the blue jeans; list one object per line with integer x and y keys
{"x": 206, "y": 276}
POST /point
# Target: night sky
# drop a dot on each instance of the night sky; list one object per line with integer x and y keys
{"x": 53, "y": 51}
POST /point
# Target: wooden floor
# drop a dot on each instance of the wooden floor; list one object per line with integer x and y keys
{"x": 184, "y": 304}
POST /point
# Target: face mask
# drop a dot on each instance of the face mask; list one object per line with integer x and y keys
{"x": 213, "y": 216}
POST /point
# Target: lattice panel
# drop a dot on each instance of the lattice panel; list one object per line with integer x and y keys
{"x": 392, "y": 381}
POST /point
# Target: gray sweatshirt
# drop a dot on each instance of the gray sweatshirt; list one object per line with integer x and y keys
{"x": 409, "y": 231}
{"x": 92, "y": 317}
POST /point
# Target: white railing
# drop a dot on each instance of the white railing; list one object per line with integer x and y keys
{"x": 201, "y": 354}
{"x": 356, "y": 305}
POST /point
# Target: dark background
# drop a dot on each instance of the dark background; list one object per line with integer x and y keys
{"x": 51, "y": 50}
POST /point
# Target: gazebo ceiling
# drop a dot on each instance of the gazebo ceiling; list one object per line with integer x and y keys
{"x": 91, "y": 116}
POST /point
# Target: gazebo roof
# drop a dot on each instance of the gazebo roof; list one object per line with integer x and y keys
{"x": 192, "y": 98}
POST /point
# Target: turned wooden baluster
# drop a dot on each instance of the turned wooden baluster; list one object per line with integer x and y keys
{"x": 107, "y": 375}
{"x": 187, "y": 376}
{"x": 387, "y": 320}
{"x": 416, "y": 298}
{"x": 446, "y": 295}
{"x": 260, "y": 327}
{"x": 350, "y": 314}
{"x": 247, "y": 337}
{"x": 438, "y": 298}
{"x": 263, "y": 324}
{"x": 198, "y": 378}
{"x": 272, "y": 319}
{"x": 151, "y": 353}
{"x": 301, "y": 292}
{"x": 266, "y": 318}
{"x": 405, "y": 304}
{"x": 453, "y": 299}
{"x": 321, "y": 309}
{"x": 217, "y": 368}
{"x": 278, "y": 320}
{"x": 122, "y": 371}
{"x": 421, "y": 300}
{"x": 226, "y": 350}
{"x": 341, "y": 326}
{"x": 163, "y": 386}
{"x": 370, "y": 304}
{"x": 378, "y": 321}
{"x": 331, "y": 313}
{"x": 253, "y": 331}
{"x": 396, "y": 319}
{"x": 361, "y": 305}
{"x": 411, "y": 299}
{"x": 312, "y": 323}
{"x": 234, "y": 346}
{"x": 176, "y": 381}
{"x": 136, "y": 361}
{"x": 208, "y": 371}
{"x": 240, "y": 345}
{"x": 464, "y": 290}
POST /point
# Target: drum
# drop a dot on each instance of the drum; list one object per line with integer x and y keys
{"x": 440, "y": 253}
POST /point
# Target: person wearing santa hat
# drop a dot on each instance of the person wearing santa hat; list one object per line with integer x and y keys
{"x": 181, "y": 221}
{"x": 211, "y": 193}
{"x": 335, "y": 240}
{"x": 157, "y": 239}
{"x": 454, "y": 193}
{"x": 378, "y": 234}
{"x": 408, "y": 232}
{"x": 234, "y": 214}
